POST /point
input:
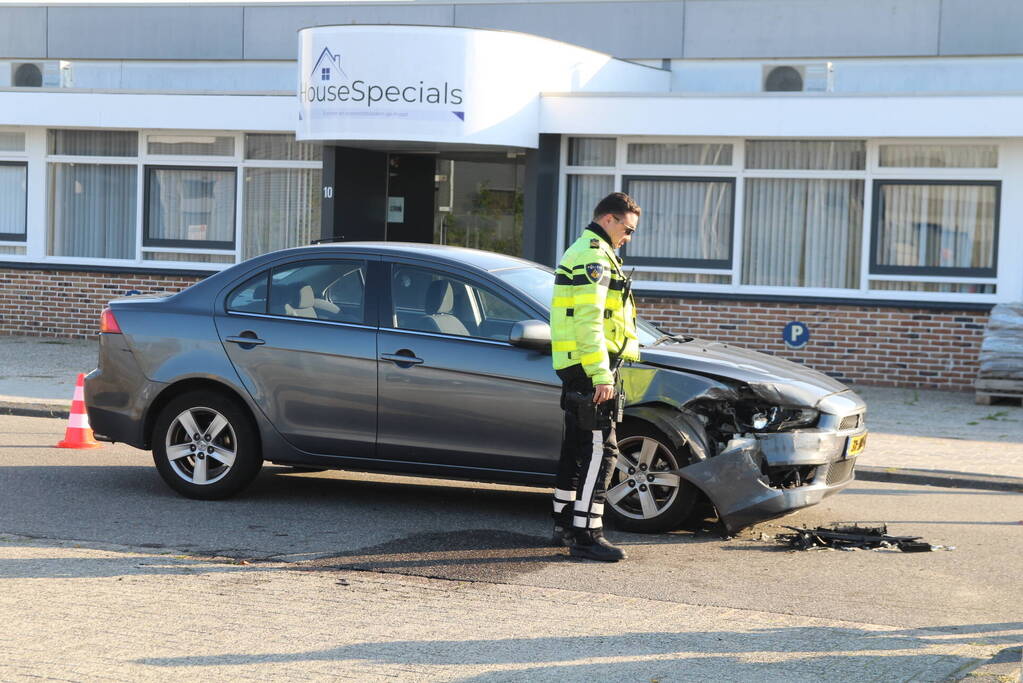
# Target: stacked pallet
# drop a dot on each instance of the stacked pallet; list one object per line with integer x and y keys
{"x": 1001, "y": 356}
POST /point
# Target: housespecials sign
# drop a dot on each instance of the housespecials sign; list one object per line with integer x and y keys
{"x": 431, "y": 84}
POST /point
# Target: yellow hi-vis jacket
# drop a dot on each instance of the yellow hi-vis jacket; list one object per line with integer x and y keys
{"x": 591, "y": 317}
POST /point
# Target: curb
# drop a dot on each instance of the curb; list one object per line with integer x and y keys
{"x": 957, "y": 480}
{"x": 41, "y": 408}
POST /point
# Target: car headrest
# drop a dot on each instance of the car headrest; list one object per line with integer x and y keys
{"x": 305, "y": 297}
{"x": 440, "y": 297}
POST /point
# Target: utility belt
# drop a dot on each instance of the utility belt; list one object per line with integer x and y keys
{"x": 577, "y": 399}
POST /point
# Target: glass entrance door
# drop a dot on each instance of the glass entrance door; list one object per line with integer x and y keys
{"x": 479, "y": 201}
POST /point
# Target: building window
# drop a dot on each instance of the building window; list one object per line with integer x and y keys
{"x": 802, "y": 232}
{"x": 938, "y": 156}
{"x": 92, "y": 210}
{"x": 277, "y": 147}
{"x": 282, "y": 208}
{"x": 591, "y": 151}
{"x": 191, "y": 207}
{"x": 942, "y": 227}
{"x": 281, "y": 198}
{"x": 12, "y": 142}
{"x": 94, "y": 143}
{"x": 13, "y": 199}
{"x": 325, "y": 74}
{"x": 686, "y": 222}
{"x": 191, "y": 145}
{"x": 680, "y": 154}
{"x": 808, "y": 155}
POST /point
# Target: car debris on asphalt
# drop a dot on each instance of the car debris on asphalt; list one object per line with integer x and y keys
{"x": 845, "y": 536}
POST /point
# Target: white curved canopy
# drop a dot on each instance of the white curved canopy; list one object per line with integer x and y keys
{"x": 443, "y": 84}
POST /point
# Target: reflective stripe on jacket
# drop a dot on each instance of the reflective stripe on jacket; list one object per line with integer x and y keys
{"x": 591, "y": 318}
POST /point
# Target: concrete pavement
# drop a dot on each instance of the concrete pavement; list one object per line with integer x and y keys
{"x": 340, "y": 575}
{"x": 916, "y": 436}
{"x": 141, "y": 616}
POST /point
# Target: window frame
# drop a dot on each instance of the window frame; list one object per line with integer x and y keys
{"x": 1004, "y": 282}
{"x": 22, "y": 237}
{"x": 191, "y": 246}
{"x": 707, "y": 265}
{"x": 876, "y": 268}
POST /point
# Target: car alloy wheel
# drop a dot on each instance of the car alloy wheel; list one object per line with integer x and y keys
{"x": 645, "y": 493}
{"x": 643, "y": 485}
{"x": 201, "y": 446}
{"x": 206, "y": 445}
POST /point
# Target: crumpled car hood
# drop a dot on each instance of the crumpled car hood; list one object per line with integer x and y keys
{"x": 779, "y": 381}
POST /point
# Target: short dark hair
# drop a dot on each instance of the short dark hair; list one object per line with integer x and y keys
{"x": 617, "y": 203}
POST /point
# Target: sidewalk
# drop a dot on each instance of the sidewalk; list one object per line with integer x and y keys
{"x": 937, "y": 437}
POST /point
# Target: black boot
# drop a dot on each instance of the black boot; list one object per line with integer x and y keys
{"x": 561, "y": 535}
{"x": 590, "y": 544}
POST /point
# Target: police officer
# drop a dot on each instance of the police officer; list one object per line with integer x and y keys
{"x": 593, "y": 329}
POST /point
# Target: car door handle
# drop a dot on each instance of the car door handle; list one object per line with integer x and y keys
{"x": 246, "y": 339}
{"x": 403, "y": 358}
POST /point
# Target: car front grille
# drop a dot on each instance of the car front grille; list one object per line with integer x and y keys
{"x": 850, "y": 421}
{"x": 840, "y": 471}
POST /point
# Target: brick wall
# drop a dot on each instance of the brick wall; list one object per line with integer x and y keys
{"x": 48, "y": 303}
{"x": 877, "y": 345}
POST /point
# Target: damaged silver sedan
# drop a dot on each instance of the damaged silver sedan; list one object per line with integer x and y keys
{"x": 435, "y": 361}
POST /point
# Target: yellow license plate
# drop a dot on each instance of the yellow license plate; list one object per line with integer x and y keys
{"x": 856, "y": 444}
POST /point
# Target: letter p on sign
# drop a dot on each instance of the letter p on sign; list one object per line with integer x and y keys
{"x": 796, "y": 334}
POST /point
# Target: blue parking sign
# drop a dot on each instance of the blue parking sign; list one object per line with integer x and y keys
{"x": 796, "y": 334}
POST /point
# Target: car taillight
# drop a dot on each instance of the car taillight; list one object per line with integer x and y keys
{"x": 108, "y": 323}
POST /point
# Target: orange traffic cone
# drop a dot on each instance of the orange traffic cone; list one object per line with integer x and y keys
{"x": 79, "y": 433}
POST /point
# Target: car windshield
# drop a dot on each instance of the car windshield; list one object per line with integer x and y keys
{"x": 538, "y": 285}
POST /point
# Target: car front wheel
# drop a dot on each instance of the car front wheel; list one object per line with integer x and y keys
{"x": 205, "y": 446}
{"x": 645, "y": 494}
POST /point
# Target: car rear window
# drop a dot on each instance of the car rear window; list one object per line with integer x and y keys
{"x": 250, "y": 296}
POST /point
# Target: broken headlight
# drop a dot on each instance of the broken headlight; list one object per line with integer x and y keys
{"x": 778, "y": 419}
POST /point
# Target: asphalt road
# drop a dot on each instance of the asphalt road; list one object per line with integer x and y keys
{"x": 356, "y": 525}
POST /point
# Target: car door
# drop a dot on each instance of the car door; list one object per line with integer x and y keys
{"x": 453, "y": 390}
{"x": 302, "y": 336}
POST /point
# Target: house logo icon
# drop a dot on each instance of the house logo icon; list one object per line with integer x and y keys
{"x": 326, "y": 68}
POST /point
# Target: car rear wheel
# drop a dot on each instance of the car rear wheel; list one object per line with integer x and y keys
{"x": 644, "y": 493}
{"x": 205, "y": 446}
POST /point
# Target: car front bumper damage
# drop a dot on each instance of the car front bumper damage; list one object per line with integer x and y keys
{"x": 740, "y": 484}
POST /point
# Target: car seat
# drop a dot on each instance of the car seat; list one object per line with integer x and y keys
{"x": 440, "y": 301}
{"x": 301, "y": 304}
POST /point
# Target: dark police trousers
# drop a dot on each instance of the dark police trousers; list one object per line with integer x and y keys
{"x": 587, "y": 458}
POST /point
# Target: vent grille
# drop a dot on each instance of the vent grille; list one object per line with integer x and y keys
{"x": 850, "y": 421}
{"x": 840, "y": 471}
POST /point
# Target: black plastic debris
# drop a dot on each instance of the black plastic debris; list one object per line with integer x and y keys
{"x": 852, "y": 537}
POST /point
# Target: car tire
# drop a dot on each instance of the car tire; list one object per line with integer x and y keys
{"x": 225, "y": 457}
{"x": 664, "y": 500}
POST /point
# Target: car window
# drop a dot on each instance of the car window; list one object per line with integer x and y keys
{"x": 320, "y": 290}
{"x": 250, "y": 296}
{"x": 431, "y": 301}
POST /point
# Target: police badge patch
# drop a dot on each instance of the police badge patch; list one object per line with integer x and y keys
{"x": 594, "y": 271}
{"x": 594, "y": 243}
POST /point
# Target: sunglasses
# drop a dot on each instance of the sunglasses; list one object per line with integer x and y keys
{"x": 629, "y": 229}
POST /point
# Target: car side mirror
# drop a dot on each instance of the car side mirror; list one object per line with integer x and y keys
{"x": 531, "y": 334}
